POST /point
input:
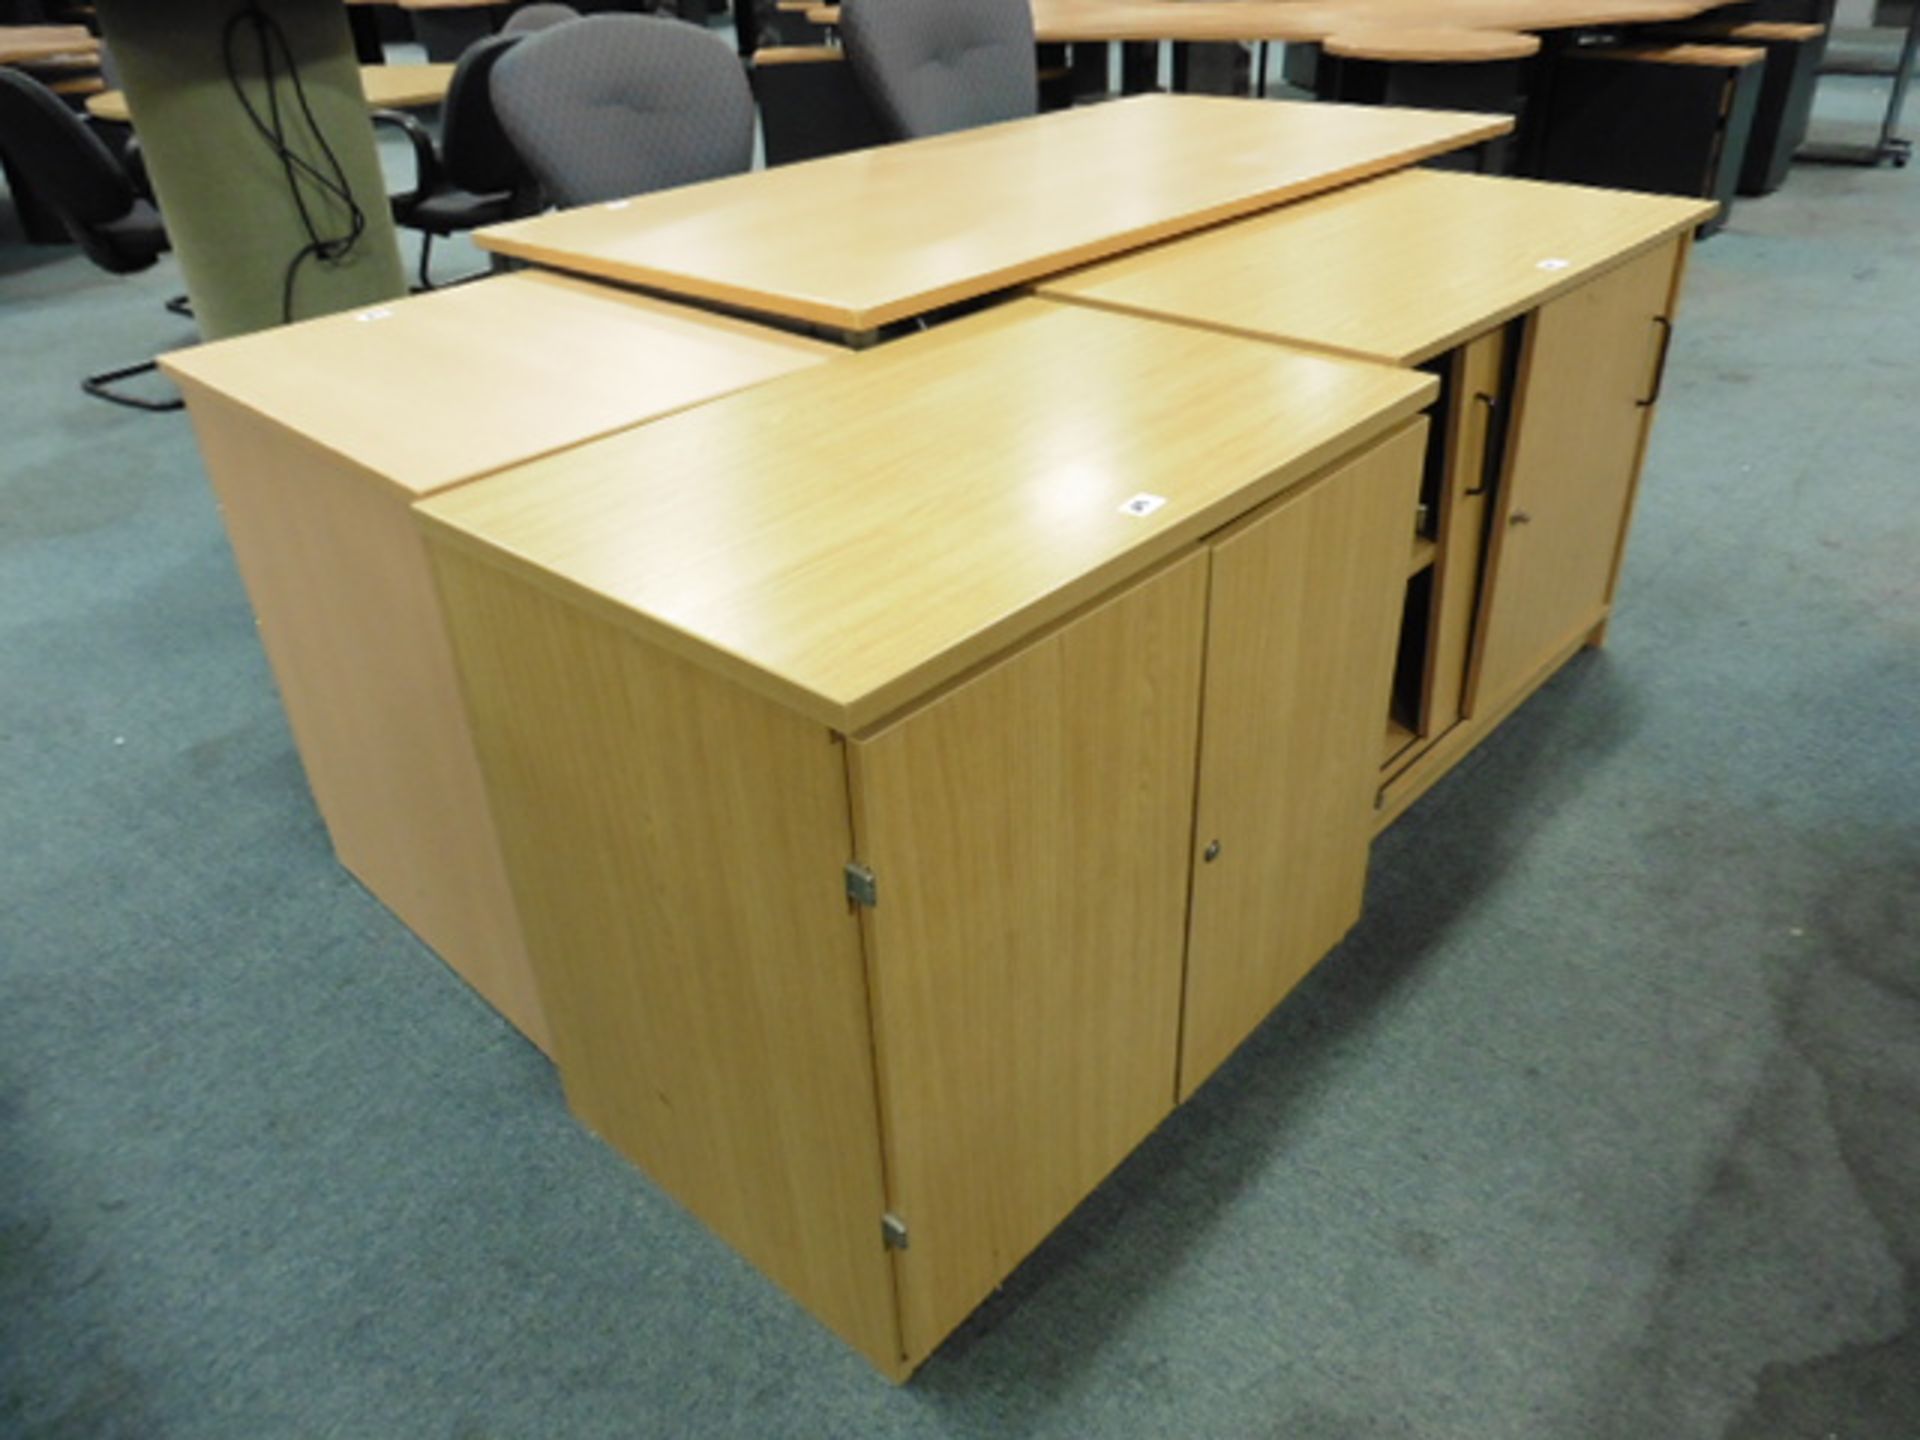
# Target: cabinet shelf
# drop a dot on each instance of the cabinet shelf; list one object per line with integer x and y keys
{"x": 1424, "y": 549}
{"x": 1399, "y": 737}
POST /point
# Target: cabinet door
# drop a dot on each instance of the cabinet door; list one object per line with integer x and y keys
{"x": 1430, "y": 676}
{"x": 1028, "y": 833}
{"x": 1586, "y": 373}
{"x": 1300, "y": 638}
{"x": 1477, "y": 396}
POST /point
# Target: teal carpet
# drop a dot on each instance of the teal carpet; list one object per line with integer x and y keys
{"x": 1605, "y": 1122}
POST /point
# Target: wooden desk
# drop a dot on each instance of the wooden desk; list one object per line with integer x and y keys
{"x": 856, "y": 241}
{"x": 30, "y": 44}
{"x": 387, "y": 87}
{"x": 894, "y": 611}
{"x": 317, "y": 439}
{"x": 1545, "y": 418}
{"x": 1073, "y": 21}
{"x": 1430, "y": 44}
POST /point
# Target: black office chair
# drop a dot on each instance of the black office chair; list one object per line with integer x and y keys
{"x": 616, "y": 105}
{"x": 472, "y": 177}
{"x": 89, "y": 192}
{"x": 930, "y": 66}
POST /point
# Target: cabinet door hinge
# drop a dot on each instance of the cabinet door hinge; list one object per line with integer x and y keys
{"x": 893, "y": 1231}
{"x": 862, "y": 888}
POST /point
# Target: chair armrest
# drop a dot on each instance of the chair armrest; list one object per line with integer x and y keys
{"x": 426, "y": 158}
{"x": 135, "y": 161}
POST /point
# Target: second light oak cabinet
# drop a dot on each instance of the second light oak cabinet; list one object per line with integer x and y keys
{"x": 916, "y": 775}
{"x": 1545, "y": 311}
{"x": 1590, "y": 369}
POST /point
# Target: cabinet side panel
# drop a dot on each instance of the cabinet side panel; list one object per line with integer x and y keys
{"x": 339, "y": 583}
{"x": 1029, "y": 833}
{"x": 1300, "y": 639}
{"x": 1589, "y": 363}
{"x": 677, "y": 845}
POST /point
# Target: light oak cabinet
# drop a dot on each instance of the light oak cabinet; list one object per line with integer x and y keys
{"x": 1545, "y": 311}
{"x": 317, "y": 439}
{"x": 1534, "y": 496}
{"x": 1589, "y": 370}
{"x": 1040, "y": 997}
{"x": 882, "y": 984}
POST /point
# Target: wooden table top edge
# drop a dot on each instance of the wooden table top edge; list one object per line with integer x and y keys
{"x": 198, "y": 390}
{"x": 421, "y": 85}
{"x": 1430, "y": 44}
{"x": 670, "y": 285}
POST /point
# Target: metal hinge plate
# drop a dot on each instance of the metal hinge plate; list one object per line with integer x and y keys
{"x": 893, "y": 1231}
{"x": 862, "y": 888}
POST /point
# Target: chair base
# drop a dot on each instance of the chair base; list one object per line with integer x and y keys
{"x": 100, "y": 387}
{"x": 496, "y": 265}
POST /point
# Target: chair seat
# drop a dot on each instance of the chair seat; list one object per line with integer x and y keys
{"x": 450, "y": 209}
{"x": 132, "y": 242}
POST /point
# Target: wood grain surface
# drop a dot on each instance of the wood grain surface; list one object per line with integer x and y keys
{"x": 848, "y": 538}
{"x": 1398, "y": 269}
{"x": 861, "y": 239}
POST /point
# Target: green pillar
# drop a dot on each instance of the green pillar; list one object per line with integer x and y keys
{"x": 225, "y": 195}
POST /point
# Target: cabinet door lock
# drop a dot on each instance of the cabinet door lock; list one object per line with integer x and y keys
{"x": 1520, "y": 517}
{"x": 1212, "y": 852}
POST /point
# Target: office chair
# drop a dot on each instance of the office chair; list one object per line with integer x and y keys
{"x": 615, "y": 105}
{"x": 810, "y": 104}
{"x": 542, "y": 16}
{"x": 89, "y": 192}
{"x": 930, "y": 66}
{"x": 473, "y": 177}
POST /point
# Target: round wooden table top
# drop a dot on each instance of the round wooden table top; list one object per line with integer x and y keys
{"x": 387, "y": 87}
{"x": 1433, "y": 44}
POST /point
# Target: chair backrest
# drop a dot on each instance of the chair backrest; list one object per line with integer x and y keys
{"x": 65, "y": 162}
{"x": 474, "y": 149}
{"x": 542, "y": 16}
{"x": 931, "y": 66}
{"x": 615, "y": 105}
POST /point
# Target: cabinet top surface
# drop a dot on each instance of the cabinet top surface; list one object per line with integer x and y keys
{"x": 871, "y": 236}
{"x": 849, "y": 538}
{"x": 1398, "y": 269}
{"x": 437, "y": 389}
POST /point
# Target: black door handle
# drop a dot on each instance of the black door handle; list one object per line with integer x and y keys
{"x": 1481, "y": 397}
{"x": 1660, "y": 368}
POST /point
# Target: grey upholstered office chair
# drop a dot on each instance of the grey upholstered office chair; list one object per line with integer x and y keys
{"x": 543, "y": 16}
{"x": 616, "y": 105}
{"x": 931, "y": 66}
{"x": 89, "y": 191}
{"x": 472, "y": 177}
